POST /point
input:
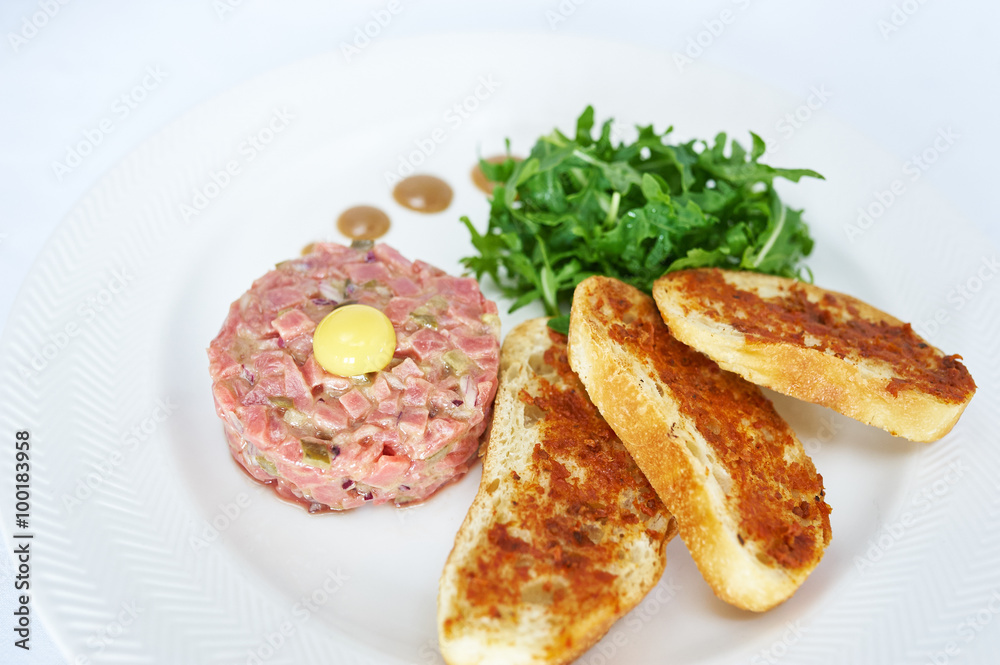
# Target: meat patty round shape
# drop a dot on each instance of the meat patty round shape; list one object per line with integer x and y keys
{"x": 334, "y": 442}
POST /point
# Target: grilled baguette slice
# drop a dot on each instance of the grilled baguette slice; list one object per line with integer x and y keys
{"x": 819, "y": 346}
{"x": 748, "y": 501}
{"x": 565, "y": 534}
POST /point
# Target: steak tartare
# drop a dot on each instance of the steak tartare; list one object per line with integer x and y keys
{"x": 335, "y": 442}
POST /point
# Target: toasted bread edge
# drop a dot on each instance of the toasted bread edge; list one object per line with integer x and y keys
{"x": 810, "y": 374}
{"x": 508, "y": 437}
{"x": 646, "y": 424}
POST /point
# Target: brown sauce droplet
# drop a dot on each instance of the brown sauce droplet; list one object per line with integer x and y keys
{"x": 423, "y": 193}
{"x": 480, "y": 180}
{"x": 363, "y": 223}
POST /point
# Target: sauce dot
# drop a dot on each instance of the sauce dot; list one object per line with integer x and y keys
{"x": 353, "y": 340}
{"x": 423, "y": 193}
{"x": 480, "y": 180}
{"x": 363, "y": 223}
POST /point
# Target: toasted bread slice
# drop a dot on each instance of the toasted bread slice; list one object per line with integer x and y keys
{"x": 819, "y": 346}
{"x": 748, "y": 501}
{"x": 565, "y": 534}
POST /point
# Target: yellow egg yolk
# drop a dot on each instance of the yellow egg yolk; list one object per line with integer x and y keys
{"x": 353, "y": 340}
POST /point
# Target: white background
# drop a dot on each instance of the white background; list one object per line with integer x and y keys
{"x": 902, "y": 73}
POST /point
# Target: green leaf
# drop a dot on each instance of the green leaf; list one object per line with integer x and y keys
{"x": 560, "y": 324}
{"x": 526, "y": 299}
{"x": 654, "y": 188}
{"x": 549, "y": 290}
{"x": 584, "y": 124}
{"x": 758, "y": 147}
{"x": 579, "y": 207}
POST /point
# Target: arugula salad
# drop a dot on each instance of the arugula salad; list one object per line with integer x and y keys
{"x": 580, "y": 206}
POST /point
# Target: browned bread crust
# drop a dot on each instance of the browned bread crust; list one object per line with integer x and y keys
{"x": 819, "y": 346}
{"x": 748, "y": 501}
{"x": 565, "y": 534}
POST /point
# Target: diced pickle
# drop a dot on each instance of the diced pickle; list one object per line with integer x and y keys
{"x": 266, "y": 464}
{"x": 426, "y": 320}
{"x": 437, "y": 303}
{"x": 296, "y": 418}
{"x": 333, "y": 289}
{"x": 426, "y": 314}
{"x": 281, "y": 402}
{"x": 243, "y": 349}
{"x": 457, "y": 361}
{"x": 315, "y": 453}
{"x": 440, "y": 454}
{"x": 492, "y": 322}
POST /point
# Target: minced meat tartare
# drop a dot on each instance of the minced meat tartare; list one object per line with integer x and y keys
{"x": 334, "y": 442}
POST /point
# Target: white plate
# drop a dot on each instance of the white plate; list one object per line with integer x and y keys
{"x": 151, "y": 546}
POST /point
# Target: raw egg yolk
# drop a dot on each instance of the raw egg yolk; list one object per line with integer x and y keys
{"x": 353, "y": 340}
